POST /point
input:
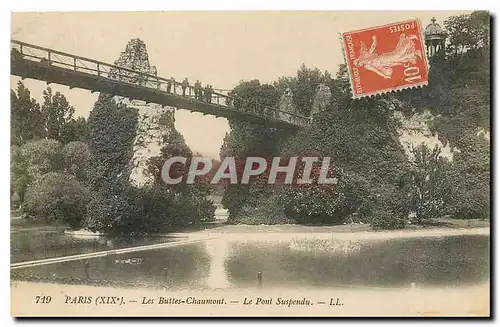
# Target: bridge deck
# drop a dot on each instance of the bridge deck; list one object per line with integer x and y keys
{"x": 30, "y": 61}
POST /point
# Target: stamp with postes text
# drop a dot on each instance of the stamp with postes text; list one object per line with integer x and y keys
{"x": 385, "y": 58}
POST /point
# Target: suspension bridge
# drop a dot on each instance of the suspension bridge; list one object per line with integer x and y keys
{"x": 53, "y": 66}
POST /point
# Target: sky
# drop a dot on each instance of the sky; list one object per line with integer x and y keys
{"x": 216, "y": 47}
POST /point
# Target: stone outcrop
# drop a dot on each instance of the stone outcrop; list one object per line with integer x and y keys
{"x": 134, "y": 57}
{"x": 155, "y": 121}
{"x": 286, "y": 101}
{"x": 415, "y": 131}
{"x": 321, "y": 100}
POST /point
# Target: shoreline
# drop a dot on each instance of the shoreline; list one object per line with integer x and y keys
{"x": 351, "y": 231}
{"x": 285, "y": 233}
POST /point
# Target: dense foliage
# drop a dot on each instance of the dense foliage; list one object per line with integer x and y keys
{"x": 41, "y": 157}
{"x": 430, "y": 183}
{"x": 25, "y": 116}
{"x": 76, "y": 157}
{"x": 70, "y": 170}
{"x": 56, "y": 197}
{"x": 111, "y": 134}
{"x": 77, "y": 172}
{"x": 459, "y": 95}
{"x": 378, "y": 183}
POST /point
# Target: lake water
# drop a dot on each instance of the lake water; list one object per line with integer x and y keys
{"x": 49, "y": 242}
{"x": 425, "y": 261}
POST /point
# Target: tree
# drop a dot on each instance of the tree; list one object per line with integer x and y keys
{"x": 459, "y": 96}
{"x": 57, "y": 112}
{"x": 430, "y": 187}
{"x": 359, "y": 136}
{"x": 19, "y": 177}
{"x": 471, "y": 179}
{"x": 468, "y": 32}
{"x": 115, "y": 212}
{"x": 56, "y": 197}
{"x": 246, "y": 139}
{"x": 182, "y": 204}
{"x": 26, "y": 118}
{"x": 318, "y": 204}
{"x": 174, "y": 145}
{"x": 112, "y": 129}
{"x": 306, "y": 86}
{"x": 42, "y": 157}
{"x": 74, "y": 130}
{"x": 459, "y": 93}
{"x": 76, "y": 156}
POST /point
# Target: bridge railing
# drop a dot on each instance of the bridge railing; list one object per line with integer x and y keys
{"x": 54, "y": 58}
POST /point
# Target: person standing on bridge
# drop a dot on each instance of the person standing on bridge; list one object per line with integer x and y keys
{"x": 205, "y": 93}
{"x": 197, "y": 90}
{"x": 185, "y": 84}
{"x": 210, "y": 92}
{"x": 170, "y": 82}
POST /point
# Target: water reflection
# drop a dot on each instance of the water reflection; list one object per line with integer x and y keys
{"x": 217, "y": 263}
{"x": 27, "y": 245}
{"x": 399, "y": 262}
{"x": 218, "y": 251}
{"x": 177, "y": 267}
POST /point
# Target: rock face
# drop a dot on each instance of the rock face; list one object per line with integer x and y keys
{"x": 155, "y": 122}
{"x": 134, "y": 57}
{"x": 415, "y": 131}
{"x": 322, "y": 99}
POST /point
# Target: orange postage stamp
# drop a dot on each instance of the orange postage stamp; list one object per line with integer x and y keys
{"x": 385, "y": 58}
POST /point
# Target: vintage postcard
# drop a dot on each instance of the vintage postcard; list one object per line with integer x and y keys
{"x": 250, "y": 164}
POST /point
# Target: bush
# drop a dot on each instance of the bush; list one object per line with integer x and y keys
{"x": 42, "y": 157}
{"x": 234, "y": 198}
{"x": 116, "y": 213}
{"x": 430, "y": 183}
{"x": 387, "y": 219}
{"x": 386, "y": 207}
{"x": 56, "y": 197}
{"x": 267, "y": 211}
{"x": 131, "y": 211}
{"x": 318, "y": 204}
{"x": 157, "y": 202}
{"x": 190, "y": 210}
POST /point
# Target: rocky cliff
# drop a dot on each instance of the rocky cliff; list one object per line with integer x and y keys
{"x": 155, "y": 121}
{"x": 415, "y": 130}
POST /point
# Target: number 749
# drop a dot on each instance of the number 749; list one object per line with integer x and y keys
{"x": 43, "y": 299}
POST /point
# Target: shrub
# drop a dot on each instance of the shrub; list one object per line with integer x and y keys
{"x": 115, "y": 213}
{"x": 234, "y": 198}
{"x": 131, "y": 211}
{"x": 430, "y": 183}
{"x": 319, "y": 204}
{"x": 386, "y": 207}
{"x": 56, "y": 197}
{"x": 387, "y": 219}
{"x": 267, "y": 211}
{"x": 42, "y": 157}
{"x": 191, "y": 209}
{"x": 157, "y": 202}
